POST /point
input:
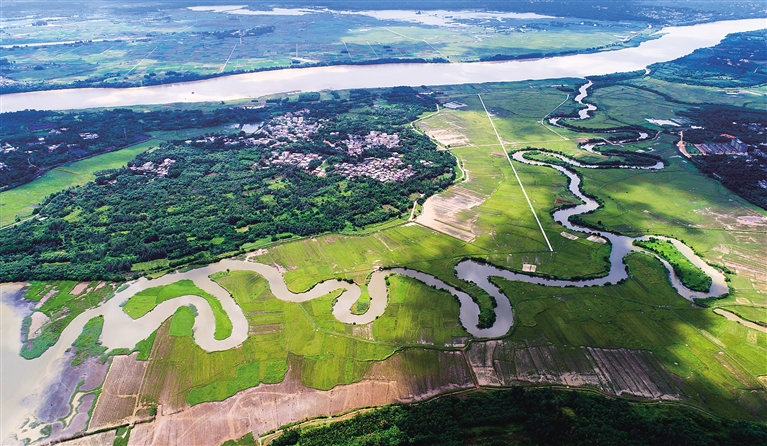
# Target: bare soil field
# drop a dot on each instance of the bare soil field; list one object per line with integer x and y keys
{"x": 100, "y": 439}
{"x": 407, "y": 376}
{"x": 38, "y": 320}
{"x": 117, "y": 401}
{"x": 613, "y": 371}
{"x": 79, "y": 288}
{"x": 451, "y": 212}
{"x": 448, "y": 137}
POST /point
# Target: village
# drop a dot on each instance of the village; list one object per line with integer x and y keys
{"x": 161, "y": 170}
{"x": 378, "y": 169}
{"x": 293, "y": 127}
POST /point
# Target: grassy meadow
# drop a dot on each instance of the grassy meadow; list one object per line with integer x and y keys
{"x": 145, "y": 301}
{"x": 21, "y": 201}
{"x": 114, "y": 49}
{"x": 691, "y": 276}
{"x": 720, "y": 365}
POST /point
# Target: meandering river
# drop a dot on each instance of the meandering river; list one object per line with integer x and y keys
{"x": 120, "y": 331}
{"x": 21, "y": 379}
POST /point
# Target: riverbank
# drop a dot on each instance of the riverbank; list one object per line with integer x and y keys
{"x": 675, "y": 42}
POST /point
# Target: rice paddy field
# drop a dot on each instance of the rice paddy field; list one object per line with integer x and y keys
{"x": 330, "y": 353}
{"x": 696, "y": 357}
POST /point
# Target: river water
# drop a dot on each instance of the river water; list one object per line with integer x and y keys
{"x": 675, "y": 42}
{"x": 22, "y": 380}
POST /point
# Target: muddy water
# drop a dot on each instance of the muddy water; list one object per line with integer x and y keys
{"x": 674, "y": 42}
{"x": 735, "y": 318}
{"x": 582, "y": 93}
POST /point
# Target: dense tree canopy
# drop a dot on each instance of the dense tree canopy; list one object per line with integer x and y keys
{"x": 190, "y": 201}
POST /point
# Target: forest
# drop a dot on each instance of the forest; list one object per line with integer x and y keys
{"x": 712, "y": 120}
{"x": 528, "y": 417}
{"x": 325, "y": 167}
{"x": 737, "y": 61}
{"x": 746, "y": 177}
{"x": 32, "y": 142}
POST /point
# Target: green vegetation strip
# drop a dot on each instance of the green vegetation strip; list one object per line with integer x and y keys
{"x": 691, "y": 276}
{"x": 145, "y": 301}
{"x": 61, "y": 306}
{"x": 88, "y": 344}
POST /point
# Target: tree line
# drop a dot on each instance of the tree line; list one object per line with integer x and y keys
{"x": 528, "y": 417}
{"x": 219, "y": 194}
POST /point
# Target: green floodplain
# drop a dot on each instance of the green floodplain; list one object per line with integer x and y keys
{"x": 111, "y": 48}
{"x": 717, "y": 365}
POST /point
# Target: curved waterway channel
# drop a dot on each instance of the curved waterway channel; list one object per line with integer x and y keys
{"x": 23, "y": 381}
{"x": 120, "y": 331}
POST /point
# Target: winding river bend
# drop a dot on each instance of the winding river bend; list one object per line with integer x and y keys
{"x": 22, "y": 380}
{"x": 120, "y": 331}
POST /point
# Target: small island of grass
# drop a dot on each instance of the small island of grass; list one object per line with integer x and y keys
{"x": 691, "y": 276}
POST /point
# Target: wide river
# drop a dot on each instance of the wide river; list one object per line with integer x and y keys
{"x": 22, "y": 381}
{"x": 675, "y": 42}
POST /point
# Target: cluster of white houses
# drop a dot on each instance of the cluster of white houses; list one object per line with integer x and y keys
{"x": 389, "y": 169}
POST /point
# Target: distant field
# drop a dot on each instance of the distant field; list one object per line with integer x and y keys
{"x": 20, "y": 201}
{"x": 122, "y": 49}
{"x": 752, "y": 97}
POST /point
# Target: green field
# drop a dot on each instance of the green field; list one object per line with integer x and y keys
{"x": 691, "y": 276}
{"x": 326, "y": 351}
{"x": 687, "y": 340}
{"x": 145, "y": 301}
{"x": 118, "y": 49}
{"x": 21, "y": 201}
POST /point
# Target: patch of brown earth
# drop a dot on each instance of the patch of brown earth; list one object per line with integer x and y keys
{"x": 79, "y": 288}
{"x": 448, "y": 137}
{"x": 47, "y": 296}
{"x": 407, "y": 376}
{"x": 35, "y": 328}
{"x": 451, "y": 212}
{"x": 100, "y": 439}
{"x": 613, "y": 371}
{"x": 117, "y": 401}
